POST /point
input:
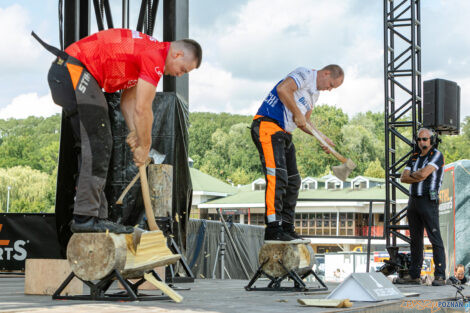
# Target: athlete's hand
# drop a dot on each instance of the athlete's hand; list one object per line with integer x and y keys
{"x": 132, "y": 140}
{"x": 326, "y": 149}
{"x": 140, "y": 155}
{"x": 329, "y": 142}
{"x": 300, "y": 120}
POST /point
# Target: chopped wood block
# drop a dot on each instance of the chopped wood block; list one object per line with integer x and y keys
{"x": 151, "y": 252}
{"x": 44, "y": 276}
{"x": 327, "y": 303}
{"x": 164, "y": 288}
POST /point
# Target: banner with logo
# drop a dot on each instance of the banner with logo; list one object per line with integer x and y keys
{"x": 25, "y": 236}
{"x": 446, "y": 216}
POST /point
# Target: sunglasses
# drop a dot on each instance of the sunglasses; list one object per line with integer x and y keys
{"x": 422, "y": 139}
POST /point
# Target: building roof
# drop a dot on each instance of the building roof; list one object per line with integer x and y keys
{"x": 244, "y": 196}
{"x": 374, "y": 179}
{"x": 208, "y": 184}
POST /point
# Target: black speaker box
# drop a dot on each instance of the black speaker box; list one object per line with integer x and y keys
{"x": 441, "y": 106}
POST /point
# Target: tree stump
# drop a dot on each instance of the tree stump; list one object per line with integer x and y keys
{"x": 160, "y": 177}
{"x": 298, "y": 257}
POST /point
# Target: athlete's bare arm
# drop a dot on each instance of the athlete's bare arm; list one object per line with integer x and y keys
{"x": 285, "y": 91}
{"x": 143, "y": 119}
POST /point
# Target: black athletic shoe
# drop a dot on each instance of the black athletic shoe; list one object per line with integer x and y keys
{"x": 439, "y": 281}
{"x": 274, "y": 233}
{"x": 95, "y": 225}
{"x": 407, "y": 280}
{"x": 289, "y": 229}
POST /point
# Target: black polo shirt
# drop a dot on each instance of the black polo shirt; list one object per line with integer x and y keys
{"x": 433, "y": 182}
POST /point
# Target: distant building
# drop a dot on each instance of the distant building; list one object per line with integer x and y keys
{"x": 319, "y": 211}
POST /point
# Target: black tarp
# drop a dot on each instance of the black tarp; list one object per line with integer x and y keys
{"x": 169, "y": 136}
{"x": 204, "y": 238}
{"x": 31, "y": 236}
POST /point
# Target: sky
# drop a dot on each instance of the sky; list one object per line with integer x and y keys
{"x": 249, "y": 45}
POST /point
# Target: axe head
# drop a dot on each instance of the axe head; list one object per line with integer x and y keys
{"x": 342, "y": 171}
{"x": 133, "y": 239}
{"x": 157, "y": 157}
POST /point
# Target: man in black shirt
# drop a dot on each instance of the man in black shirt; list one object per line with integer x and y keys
{"x": 424, "y": 174}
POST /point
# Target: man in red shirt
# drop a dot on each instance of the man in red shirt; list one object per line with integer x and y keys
{"x": 114, "y": 59}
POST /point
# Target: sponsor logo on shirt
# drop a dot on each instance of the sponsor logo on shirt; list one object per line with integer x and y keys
{"x": 303, "y": 101}
{"x": 158, "y": 71}
{"x": 271, "y": 99}
{"x": 136, "y": 34}
{"x": 302, "y": 74}
{"x": 130, "y": 83}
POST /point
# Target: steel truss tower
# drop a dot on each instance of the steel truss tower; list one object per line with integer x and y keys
{"x": 403, "y": 104}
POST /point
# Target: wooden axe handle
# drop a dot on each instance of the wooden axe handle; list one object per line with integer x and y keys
{"x": 146, "y": 196}
{"x": 341, "y": 158}
{"x": 123, "y": 194}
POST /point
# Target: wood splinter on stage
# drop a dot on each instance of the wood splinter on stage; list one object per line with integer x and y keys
{"x": 326, "y": 303}
{"x": 294, "y": 256}
{"x": 92, "y": 256}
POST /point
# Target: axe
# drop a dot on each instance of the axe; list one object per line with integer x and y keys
{"x": 155, "y": 157}
{"x": 341, "y": 171}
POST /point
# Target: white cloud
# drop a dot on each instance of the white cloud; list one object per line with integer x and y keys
{"x": 213, "y": 89}
{"x": 19, "y": 49}
{"x": 266, "y": 39}
{"x": 30, "y": 104}
{"x": 358, "y": 93}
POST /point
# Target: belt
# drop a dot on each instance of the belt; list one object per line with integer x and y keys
{"x": 59, "y": 53}
{"x": 267, "y": 119}
{"x": 62, "y": 57}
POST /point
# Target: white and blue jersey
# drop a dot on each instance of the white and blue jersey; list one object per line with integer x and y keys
{"x": 305, "y": 97}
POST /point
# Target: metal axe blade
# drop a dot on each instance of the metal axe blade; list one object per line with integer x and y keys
{"x": 342, "y": 171}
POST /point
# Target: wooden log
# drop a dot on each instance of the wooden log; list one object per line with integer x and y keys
{"x": 92, "y": 256}
{"x": 307, "y": 258}
{"x": 160, "y": 178}
{"x": 44, "y": 276}
{"x": 298, "y": 257}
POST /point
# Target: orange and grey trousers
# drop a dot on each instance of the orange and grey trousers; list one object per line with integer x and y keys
{"x": 277, "y": 155}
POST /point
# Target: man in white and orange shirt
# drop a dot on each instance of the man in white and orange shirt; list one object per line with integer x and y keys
{"x": 114, "y": 59}
{"x": 289, "y": 105}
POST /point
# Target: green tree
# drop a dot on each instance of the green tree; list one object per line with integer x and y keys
{"x": 30, "y": 190}
{"x": 375, "y": 169}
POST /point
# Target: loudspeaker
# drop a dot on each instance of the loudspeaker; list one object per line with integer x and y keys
{"x": 441, "y": 106}
{"x": 372, "y": 287}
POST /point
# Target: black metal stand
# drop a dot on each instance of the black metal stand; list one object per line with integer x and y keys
{"x": 165, "y": 225}
{"x": 275, "y": 282}
{"x": 174, "y": 276}
{"x": 98, "y": 290}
